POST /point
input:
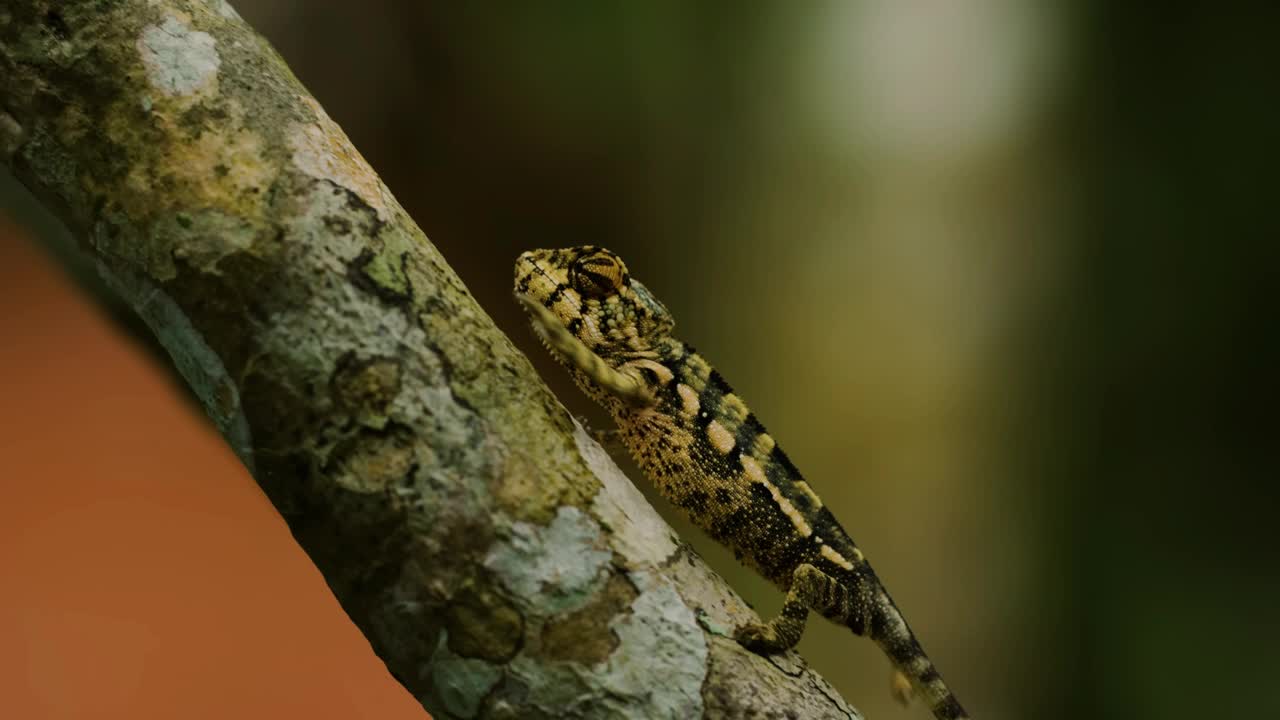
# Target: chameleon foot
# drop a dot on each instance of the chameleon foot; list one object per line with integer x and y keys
{"x": 811, "y": 589}
{"x": 765, "y": 639}
{"x": 609, "y": 439}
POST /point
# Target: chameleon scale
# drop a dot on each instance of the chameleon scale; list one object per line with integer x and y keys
{"x": 706, "y": 452}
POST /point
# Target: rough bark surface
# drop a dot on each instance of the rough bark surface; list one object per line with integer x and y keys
{"x": 492, "y": 554}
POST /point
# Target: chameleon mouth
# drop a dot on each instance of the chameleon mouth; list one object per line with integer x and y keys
{"x": 525, "y": 276}
{"x": 540, "y": 319}
{"x": 564, "y": 294}
{"x": 538, "y": 289}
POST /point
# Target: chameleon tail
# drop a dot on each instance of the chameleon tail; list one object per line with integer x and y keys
{"x": 890, "y": 631}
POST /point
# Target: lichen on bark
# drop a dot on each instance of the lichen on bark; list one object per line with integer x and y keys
{"x": 463, "y": 520}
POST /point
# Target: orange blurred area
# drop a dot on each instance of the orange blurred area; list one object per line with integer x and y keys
{"x": 142, "y": 572}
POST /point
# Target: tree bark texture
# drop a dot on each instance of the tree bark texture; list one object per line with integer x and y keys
{"x": 493, "y": 555}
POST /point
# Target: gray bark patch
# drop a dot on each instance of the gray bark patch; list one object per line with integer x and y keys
{"x": 179, "y": 60}
{"x": 556, "y": 567}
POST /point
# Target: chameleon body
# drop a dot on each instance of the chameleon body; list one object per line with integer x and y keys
{"x": 695, "y": 439}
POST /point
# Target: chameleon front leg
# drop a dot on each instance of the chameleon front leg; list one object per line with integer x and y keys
{"x": 811, "y": 589}
{"x": 628, "y": 386}
{"x": 607, "y": 438}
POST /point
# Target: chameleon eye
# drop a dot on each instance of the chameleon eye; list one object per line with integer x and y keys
{"x": 598, "y": 276}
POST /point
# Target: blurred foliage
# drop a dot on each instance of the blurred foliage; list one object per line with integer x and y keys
{"x": 1156, "y": 361}
{"x": 994, "y": 272}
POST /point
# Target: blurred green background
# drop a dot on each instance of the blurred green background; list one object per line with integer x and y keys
{"x": 995, "y": 273}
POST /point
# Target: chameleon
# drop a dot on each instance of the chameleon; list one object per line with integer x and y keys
{"x": 695, "y": 439}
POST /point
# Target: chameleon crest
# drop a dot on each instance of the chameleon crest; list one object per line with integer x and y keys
{"x": 707, "y": 453}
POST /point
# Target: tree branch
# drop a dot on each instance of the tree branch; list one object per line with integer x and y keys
{"x": 492, "y": 554}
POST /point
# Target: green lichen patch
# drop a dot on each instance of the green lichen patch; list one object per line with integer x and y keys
{"x": 382, "y": 274}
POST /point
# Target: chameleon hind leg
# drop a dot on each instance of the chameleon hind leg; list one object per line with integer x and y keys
{"x": 811, "y": 589}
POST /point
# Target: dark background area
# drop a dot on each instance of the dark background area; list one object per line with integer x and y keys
{"x": 995, "y": 273}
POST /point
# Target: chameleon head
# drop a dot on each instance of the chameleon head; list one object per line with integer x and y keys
{"x": 590, "y": 293}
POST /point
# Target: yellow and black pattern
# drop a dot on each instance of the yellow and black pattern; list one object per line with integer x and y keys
{"x": 697, "y": 441}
